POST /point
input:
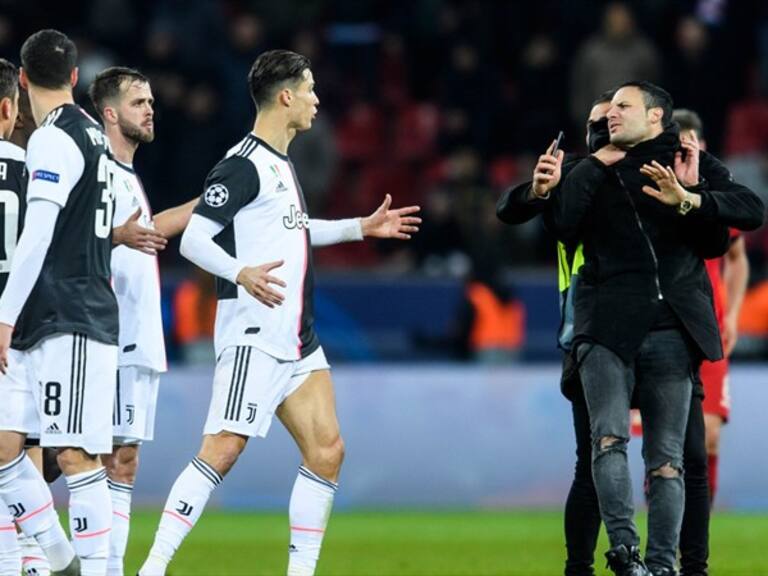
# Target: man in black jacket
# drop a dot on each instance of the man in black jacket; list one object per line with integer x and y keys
{"x": 643, "y": 314}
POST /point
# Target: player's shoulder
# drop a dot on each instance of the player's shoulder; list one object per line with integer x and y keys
{"x": 76, "y": 123}
{"x": 10, "y": 151}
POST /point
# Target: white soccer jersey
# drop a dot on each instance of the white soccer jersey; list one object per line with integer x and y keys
{"x": 253, "y": 192}
{"x": 136, "y": 281}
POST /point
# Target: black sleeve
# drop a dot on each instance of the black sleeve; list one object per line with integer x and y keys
{"x": 233, "y": 183}
{"x": 725, "y": 201}
{"x": 516, "y": 205}
{"x": 709, "y": 240}
{"x": 572, "y": 201}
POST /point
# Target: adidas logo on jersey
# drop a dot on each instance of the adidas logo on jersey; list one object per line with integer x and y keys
{"x": 296, "y": 219}
{"x": 53, "y": 429}
{"x": 281, "y": 187}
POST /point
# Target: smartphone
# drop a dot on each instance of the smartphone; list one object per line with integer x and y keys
{"x": 557, "y": 143}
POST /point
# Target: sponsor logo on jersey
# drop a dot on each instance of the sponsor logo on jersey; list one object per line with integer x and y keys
{"x": 296, "y": 219}
{"x": 216, "y": 195}
{"x": 281, "y": 187}
{"x": 53, "y": 429}
{"x": 45, "y": 175}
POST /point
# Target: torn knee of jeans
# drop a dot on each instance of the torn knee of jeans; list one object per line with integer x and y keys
{"x": 666, "y": 471}
{"x": 607, "y": 442}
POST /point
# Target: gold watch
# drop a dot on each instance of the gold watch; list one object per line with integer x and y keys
{"x": 686, "y": 205}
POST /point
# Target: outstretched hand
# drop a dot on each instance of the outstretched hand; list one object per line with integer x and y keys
{"x": 257, "y": 279}
{"x": 669, "y": 192}
{"x": 136, "y": 236}
{"x": 386, "y": 223}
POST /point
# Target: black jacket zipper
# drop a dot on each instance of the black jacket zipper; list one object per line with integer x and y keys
{"x": 645, "y": 235}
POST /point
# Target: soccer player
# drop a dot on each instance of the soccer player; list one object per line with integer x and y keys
{"x": 729, "y": 276}
{"x": 59, "y": 307}
{"x": 251, "y": 230}
{"x": 12, "y": 187}
{"x": 123, "y": 99}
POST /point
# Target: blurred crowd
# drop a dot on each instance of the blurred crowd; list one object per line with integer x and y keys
{"x": 441, "y": 103}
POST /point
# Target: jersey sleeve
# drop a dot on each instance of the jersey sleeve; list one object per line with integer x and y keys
{"x": 54, "y": 165}
{"x": 232, "y": 184}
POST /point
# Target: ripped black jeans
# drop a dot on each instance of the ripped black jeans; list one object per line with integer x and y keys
{"x": 660, "y": 379}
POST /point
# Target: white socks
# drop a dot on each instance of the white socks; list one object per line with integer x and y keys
{"x": 184, "y": 506}
{"x": 10, "y": 551}
{"x": 121, "y": 518}
{"x": 29, "y": 500}
{"x": 33, "y": 560}
{"x": 310, "y": 507}
{"x": 90, "y": 519}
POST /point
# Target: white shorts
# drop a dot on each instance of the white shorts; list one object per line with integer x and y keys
{"x": 133, "y": 416}
{"x": 249, "y": 385}
{"x": 61, "y": 391}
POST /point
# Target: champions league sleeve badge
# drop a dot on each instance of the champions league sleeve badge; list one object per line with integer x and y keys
{"x": 216, "y": 195}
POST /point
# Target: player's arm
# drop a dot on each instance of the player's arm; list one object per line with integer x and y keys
{"x": 736, "y": 276}
{"x": 383, "y": 223}
{"x": 171, "y": 222}
{"x": 51, "y": 179}
{"x": 198, "y": 247}
{"x": 134, "y": 235}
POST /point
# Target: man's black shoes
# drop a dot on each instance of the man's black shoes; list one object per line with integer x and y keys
{"x": 626, "y": 561}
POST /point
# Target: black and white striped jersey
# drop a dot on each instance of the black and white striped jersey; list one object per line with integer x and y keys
{"x": 12, "y": 203}
{"x": 68, "y": 163}
{"x": 254, "y": 193}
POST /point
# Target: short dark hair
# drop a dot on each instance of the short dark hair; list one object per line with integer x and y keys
{"x": 654, "y": 97}
{"x": 606, "y": 96}
{"x": 9, "y": 79}
{"x": 107, "y": 84}
{"x": 48, "y": 58}
{"x": 689, "y": 120}
{"x": 272, "y": 69}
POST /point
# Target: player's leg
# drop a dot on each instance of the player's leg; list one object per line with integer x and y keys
{"x": 23, "y": 490}
{"x": 10, "y": 549}
{"x": 133, "y": 421}
{"x": 694, "y": 534}
{"x": 76, "y": 417}
{"x": 226, "y": 434}
{"x": 582, "y": 510}
{"x": 33, "y": 558}
{"x": 309, "y": 414}
{"x": 714, "y": 376}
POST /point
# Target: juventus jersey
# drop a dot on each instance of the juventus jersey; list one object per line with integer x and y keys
{"x": 253, "y": 192}
{"x": 136, "y": 281}
{"x": 68, "y": 163}
{"x": 12, "y": 203}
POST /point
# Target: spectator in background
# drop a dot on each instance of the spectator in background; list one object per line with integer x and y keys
{"x": 194, "y": 313}
{"x": 617, "y": 54}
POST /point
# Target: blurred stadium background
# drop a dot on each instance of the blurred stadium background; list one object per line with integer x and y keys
{"x": 444, "y": 104}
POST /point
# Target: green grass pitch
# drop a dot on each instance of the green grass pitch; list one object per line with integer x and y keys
{"x": 514, "y": 543}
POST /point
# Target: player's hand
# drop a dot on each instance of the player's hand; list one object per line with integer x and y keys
{"x": 136, "y": 236}
{"x": 610, "y": 154}
{"x": 547, "y": 173}
{"x": 257, "y": 279}
{"x": 386, "y": 223}
{"x": 6, "y": 332}
{"x": 687, "y": 171}
{"x": 669, "y": 191}
{"x": 730, "y": 334}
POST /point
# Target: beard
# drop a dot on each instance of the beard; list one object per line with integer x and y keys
{"x": 135, "y": 133}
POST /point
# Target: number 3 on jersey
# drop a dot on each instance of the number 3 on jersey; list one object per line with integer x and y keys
{"x": 106, "y": 176}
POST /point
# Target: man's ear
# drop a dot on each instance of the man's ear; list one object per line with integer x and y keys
{"x": 5, "y": 108}
{"x": 109, "y": 115}
{"x": 23, "y": 79}
{"x": 73, "y": 76}
{"x": 655, "y": 115}
{"x": 285, "y": 97}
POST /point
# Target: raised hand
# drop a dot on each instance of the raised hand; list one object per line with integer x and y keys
{"x": 257, "y": 279}
{"x": 136, "y": 236}
{"x": 386, "y": 223}
{"x": 547, "y": 173}
{"x": 687, "y": 171}
{"x": 669, "y": 190}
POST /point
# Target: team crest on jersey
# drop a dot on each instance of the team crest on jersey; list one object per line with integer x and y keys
{"x": 216, "y": 195}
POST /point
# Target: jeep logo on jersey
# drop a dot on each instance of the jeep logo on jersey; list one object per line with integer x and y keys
{"x": 216, "y": 195}
{"x": 296, "y": 219}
